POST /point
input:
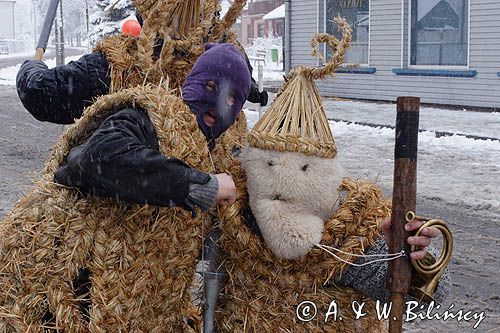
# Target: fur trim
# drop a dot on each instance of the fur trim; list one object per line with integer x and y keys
{"x": 291, "y": 194}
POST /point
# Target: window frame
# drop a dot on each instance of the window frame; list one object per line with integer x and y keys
{"x": 445, "y": 67}
{"x": 346, "y": 64}
{"x": 263, "y": 25}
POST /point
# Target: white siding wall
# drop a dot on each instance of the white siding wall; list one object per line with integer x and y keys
{"x": 304, "y": 22}
{"x": 385, "y": 54}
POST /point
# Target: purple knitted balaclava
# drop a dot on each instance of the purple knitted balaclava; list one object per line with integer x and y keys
{"x": 225, "y": 65}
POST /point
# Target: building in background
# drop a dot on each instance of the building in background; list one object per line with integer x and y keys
{"x": 444, "y": 51}
{"x": 253, "y": 24}
{"x": 7, "y": 30}
{"x": 275, "y": 21}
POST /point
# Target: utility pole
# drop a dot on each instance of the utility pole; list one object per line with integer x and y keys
{"x": 59, "y": 35}
{"x": 35, "y": 2}
{"x": 87, "y": 21}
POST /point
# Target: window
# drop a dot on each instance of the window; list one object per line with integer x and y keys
{"x": 261, "y": 30}
{"x": 439, "y": 32}
{"x": 357, "y": 14}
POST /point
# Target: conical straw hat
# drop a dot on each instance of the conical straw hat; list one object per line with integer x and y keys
{"x": 296, "y": 121}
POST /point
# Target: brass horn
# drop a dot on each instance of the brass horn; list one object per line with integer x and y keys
{"x": 435, "y": 270}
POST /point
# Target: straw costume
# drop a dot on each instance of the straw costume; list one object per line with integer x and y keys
{"x": 173, "y": 37}
{"x": 273, "y": 266}
{"x": 77, "y": 263}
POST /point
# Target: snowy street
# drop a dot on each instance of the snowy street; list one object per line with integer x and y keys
{"x": 10, "y": 64}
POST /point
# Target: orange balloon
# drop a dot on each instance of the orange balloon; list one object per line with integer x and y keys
{"x": 131, "y": 27}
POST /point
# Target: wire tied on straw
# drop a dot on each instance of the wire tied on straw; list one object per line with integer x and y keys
{"x": 381, "y": 257}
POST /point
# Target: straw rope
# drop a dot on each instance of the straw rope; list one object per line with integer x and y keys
{"x": 141, "y": 258}
{"x": 263, "y": 290}
{"x": 221, "y": 31}
{"x": 173, "y": 36}
{"x": 339, "y": 48}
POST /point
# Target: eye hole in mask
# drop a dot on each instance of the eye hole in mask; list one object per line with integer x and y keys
{"x": 230, "y": 100}
{"x": 211, "y": 86}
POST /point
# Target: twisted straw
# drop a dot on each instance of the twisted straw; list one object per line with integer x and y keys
{"x": 172, "y": 64}
{"x": 339, "y": 49}
{"x": 150, "y": 30}
{"x": 221, "y": 31}
{"x": 184, "y": 27}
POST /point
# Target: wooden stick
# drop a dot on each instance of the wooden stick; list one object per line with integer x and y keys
{"x": 47, "y": 26}
{"x": 403, "y": 200}
{"x": 39, "y": 53}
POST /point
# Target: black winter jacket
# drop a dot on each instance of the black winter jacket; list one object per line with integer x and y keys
{"x": 60, "y": 94}
{"x": 121, "y": 160}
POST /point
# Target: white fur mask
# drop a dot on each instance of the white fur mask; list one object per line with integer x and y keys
{"x": 291, "y": 195}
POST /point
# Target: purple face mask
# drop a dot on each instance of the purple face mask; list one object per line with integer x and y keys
{"x": 219, "y": 75}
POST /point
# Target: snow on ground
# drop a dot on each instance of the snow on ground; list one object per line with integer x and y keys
{"x": 17, "y": 55}
{"x": 8, "y": 74}
{"x": 452, "y": 170}
{"x": 273, "y": 71}
{"x": 483, "y": 124}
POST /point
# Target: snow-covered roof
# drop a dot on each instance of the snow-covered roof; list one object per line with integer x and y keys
{"x": 276, "y": 13}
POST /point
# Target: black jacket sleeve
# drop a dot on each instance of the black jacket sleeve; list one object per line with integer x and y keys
{"x": 121, "y": 160}
{"x": 255, "y": 96}
{"x": 60, "y": 94}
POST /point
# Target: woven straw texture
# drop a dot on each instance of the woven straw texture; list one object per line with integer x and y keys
{"x": 174, "y": 35}
{"x": 141, "y": 258}
{"x": 263, "y": 290}
{"x": 296, "y": 120}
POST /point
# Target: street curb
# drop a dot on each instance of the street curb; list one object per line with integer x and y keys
{"x": 438, "y": 134}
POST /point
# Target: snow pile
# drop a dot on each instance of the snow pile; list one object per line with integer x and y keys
{"x": 484, "y": 124}
{"x": 18, "y": 54}
{"x": 272, "y": 71}
{"x": 8, "y": 74}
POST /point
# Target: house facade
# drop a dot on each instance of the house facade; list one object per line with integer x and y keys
{"x": 443, "y": 51}
{"x": 7, "y": 30}
{"x": 253, "y": 24}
